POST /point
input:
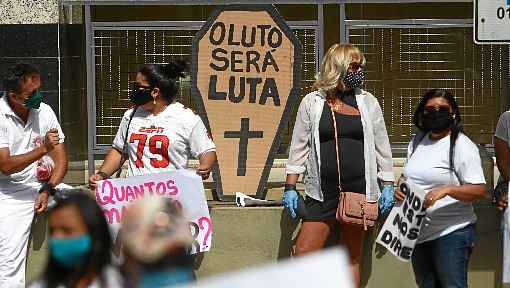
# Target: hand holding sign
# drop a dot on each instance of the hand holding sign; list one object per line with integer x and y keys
{"x": 435, "y": 195}
{"x": 402, "y": 227}
{"x": 185, "y": 187}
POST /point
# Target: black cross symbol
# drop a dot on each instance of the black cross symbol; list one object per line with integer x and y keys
{"x": 243, "y": 136}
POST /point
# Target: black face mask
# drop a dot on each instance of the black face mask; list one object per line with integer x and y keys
{"x": 437, "y": 120}
{"x": 140, "y": 96}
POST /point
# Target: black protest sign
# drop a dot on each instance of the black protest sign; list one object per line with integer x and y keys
{"x": 402, "y": 227}
{"x": 245, "y": 80}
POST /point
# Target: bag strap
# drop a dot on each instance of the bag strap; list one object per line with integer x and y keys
{"x": 125, "y": 146}
{"x": 336, "y": 147}
{"x": 416, "y": 141}
{"x": 338, "y": 168}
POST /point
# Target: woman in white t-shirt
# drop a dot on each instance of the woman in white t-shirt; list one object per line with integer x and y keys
{"x": 445, "y": 163}
{"x": 159, "y": 134}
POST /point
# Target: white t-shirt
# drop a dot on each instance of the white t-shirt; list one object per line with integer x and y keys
{"x": 502, "y": 129}
{"x": 22, "y": 138}
{"x": 502, "y": 132}
{"x": 162, "y": 142}
{"x": 428, "y": 167}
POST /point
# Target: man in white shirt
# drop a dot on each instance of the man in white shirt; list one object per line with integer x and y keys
{"x": 29, "y": 130}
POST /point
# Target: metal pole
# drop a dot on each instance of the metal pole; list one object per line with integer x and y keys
{"x": 320, "y": 20}
{"x": 90, "y": 90}
{"x": 343, "y": 27}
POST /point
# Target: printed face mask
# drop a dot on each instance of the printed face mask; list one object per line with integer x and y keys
{"x": 34, "y": 100}
{"x": 354, "y": 79}
{"x": 437, "y": 120}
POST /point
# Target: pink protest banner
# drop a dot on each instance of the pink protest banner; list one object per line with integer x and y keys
{"x": 115, "y": 195}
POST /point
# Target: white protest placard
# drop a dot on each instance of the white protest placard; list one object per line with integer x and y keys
{"x": 492, "y": 21}
{"x": 506, "y": 245}
{"x": 327, "y": 268}
{"x": 402, "y": 227}
{"x": 185, "y": 186}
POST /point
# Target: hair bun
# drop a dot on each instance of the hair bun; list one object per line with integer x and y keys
{"x": 175, "y": 69}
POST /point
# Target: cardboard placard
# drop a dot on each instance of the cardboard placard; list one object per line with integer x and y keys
{"x": 402, "y": 227}
{"x": 115, "y": 195}
{"x": 246, "y": 79}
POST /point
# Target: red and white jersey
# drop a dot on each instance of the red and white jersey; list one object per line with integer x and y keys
{"x": 163, "y": 142}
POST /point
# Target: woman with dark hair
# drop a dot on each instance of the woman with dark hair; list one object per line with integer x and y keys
{"x": 159, "y": 134}
{"x": 79, "y": 246}
{"x": 446, "y": 164}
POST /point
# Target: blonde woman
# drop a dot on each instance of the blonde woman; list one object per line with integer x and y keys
{"x": 363, "y": 145}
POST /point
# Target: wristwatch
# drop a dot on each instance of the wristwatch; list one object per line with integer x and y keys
{"x": 48, "y": 187}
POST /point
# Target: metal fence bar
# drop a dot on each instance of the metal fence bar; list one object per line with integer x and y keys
{"x": 230, "y": 2}
{"x": 172, "y": 25}
{"x": 91, "y": 104}
{"x": 408, "y": 23}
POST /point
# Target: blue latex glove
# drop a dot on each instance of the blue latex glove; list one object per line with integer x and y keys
{"x": 387, "y": 199}
{"x": 290, "y": 201}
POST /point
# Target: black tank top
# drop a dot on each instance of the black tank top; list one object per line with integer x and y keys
{"x": 350, "y": 146}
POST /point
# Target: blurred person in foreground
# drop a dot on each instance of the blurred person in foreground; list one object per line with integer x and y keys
{"x": 156, "y": 238}
{"x": 79, "y": 246}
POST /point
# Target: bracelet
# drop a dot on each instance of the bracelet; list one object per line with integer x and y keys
{"x": 48, "y": 187}
{"x": 102, "y": 174}
{"x": 289, "y": 187}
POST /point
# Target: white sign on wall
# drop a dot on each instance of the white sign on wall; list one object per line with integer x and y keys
{"x": 327, "y": 268}
{"x": 492, "y": 21}
{"x": 402, "y": 227}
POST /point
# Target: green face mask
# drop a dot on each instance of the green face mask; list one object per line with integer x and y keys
{"x": 34, "y": 100}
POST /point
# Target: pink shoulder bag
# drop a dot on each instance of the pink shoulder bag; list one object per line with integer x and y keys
{"x": 353, "y": 208}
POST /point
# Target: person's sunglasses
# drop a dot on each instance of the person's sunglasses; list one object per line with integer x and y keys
{"x": 137, "y": 86}
{"x": 437, "y": 108}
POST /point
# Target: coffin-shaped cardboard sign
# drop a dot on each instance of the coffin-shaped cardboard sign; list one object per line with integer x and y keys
{"x": 245, "y": 77}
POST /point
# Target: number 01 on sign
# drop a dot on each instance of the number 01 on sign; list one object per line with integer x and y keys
{"x": 492, "y": 21}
